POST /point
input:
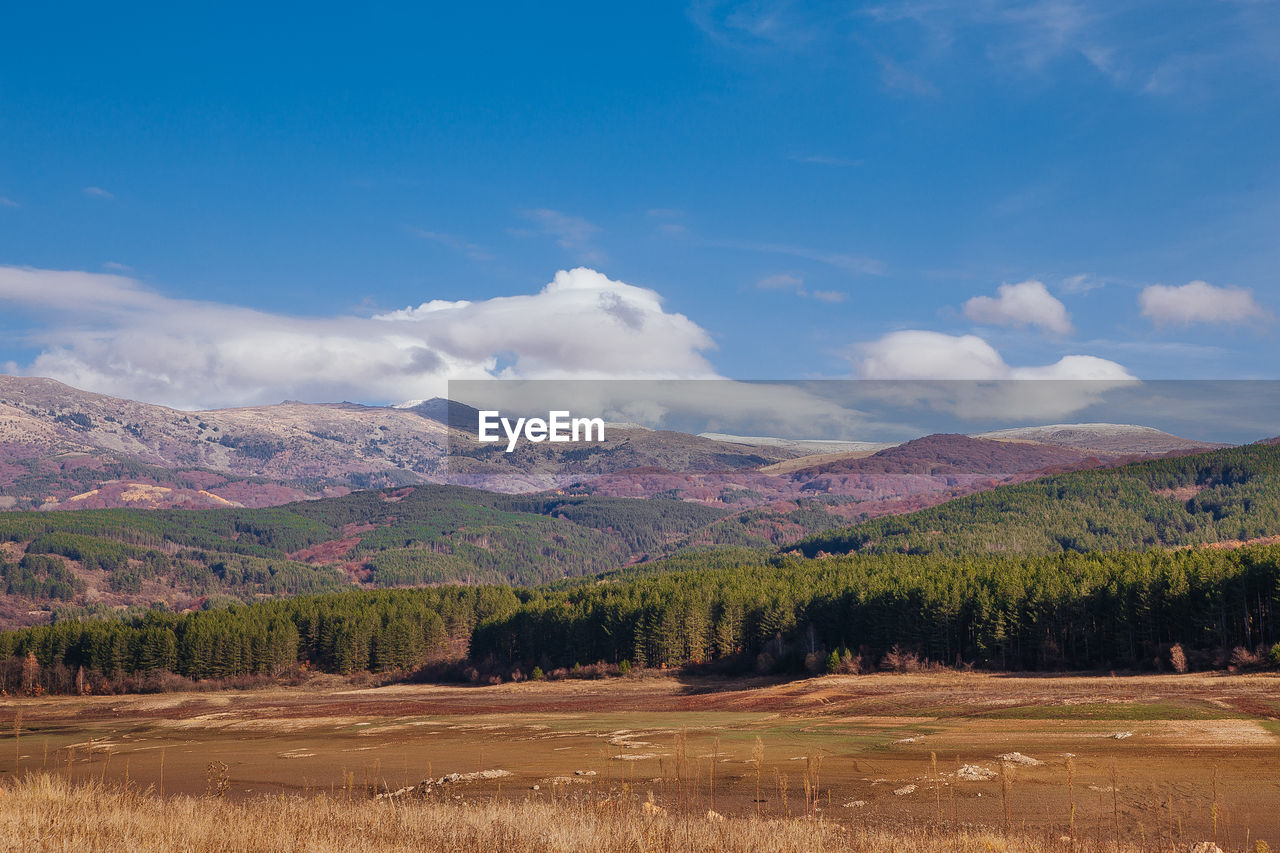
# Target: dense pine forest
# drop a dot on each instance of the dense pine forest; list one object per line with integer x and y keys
{"x": 1225, "y": 495}
{"x": 735, "y": 608}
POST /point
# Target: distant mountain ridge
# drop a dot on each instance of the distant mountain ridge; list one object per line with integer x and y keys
{"x": 61, "y": 448}
{"x": 65, "y": 448}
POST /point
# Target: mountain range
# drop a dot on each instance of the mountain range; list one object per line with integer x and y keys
{"x": 61, "y": 448}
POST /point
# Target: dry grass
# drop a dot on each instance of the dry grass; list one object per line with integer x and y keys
{"x": 45, "y": 813}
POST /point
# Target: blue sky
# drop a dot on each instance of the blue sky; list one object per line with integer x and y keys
{"x": 222, "y": 205}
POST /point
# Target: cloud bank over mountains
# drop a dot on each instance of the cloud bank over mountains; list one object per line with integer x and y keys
{"x": 110, "y": 334}
{"x": 919, "y": 354}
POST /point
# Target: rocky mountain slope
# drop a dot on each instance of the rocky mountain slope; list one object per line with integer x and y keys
{"x": 61, "y": 448}
{"x": 65, "y": 448}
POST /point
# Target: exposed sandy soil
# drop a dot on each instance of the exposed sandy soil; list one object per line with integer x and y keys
{"x": 863, "y": 739}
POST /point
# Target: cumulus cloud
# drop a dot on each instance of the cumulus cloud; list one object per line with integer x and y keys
{"x": 992, "y": 388}
{"x": 1028, "y": 303}
{"x": 108, "y": 333}
{"x": 1200, "y": 302}
{"x": 917, "y": 354}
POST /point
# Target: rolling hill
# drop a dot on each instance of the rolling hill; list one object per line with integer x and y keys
{"x": 410, "y": 536}
{"x": 1102, "y": 438}
{"x": 1219, "y": 496}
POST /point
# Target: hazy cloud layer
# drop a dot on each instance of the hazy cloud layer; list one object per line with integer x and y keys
{"x": 1026, "y": 304}
{"x": 108, "y": 333}
{"x": 1200, "y": 302}
{"x": 1138, "y": 46}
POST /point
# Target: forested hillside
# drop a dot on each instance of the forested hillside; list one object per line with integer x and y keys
{"x": 1225, "y": 495}
{"x": 1059, "y": 573}
{"x": 405, "y": 537}
{"x": 1070, "y": 611}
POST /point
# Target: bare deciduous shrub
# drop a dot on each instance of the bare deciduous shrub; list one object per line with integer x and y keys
{"x": 900, "y": 660}
{"x": 1178, "y": 658}
{"x": 1242, "y": 658}
{"x": 216, "y": 779}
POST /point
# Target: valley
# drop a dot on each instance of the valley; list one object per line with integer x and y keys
{"x": 1101, "y": 759}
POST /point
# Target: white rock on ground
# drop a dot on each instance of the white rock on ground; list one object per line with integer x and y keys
{"x": 975, "y": 773}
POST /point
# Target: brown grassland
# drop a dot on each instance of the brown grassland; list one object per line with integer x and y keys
{"x": 45, "y": 813}
{"x": 927, "y": 761}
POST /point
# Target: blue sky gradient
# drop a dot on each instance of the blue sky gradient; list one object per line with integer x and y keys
{"x": 800, "y": 181}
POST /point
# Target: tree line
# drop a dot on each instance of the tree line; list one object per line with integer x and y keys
{"x": 734, "y": 608}
{"x": 349, "y": 632}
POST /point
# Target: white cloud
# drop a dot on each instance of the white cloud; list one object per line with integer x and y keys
{"x": 782, "y": 281}
{"x": 992, "y": 389}
{"x": 1026, "y": 304}
{"x": 1082, "y": 283}
{"x": 825, "y": 160}
{"x": 850, "y": 263}
{"x": 471, "y": 250}
{"x": 108, "y": 333}
{"x": 98, "y": 192}
{"x": 1200, "y": 302}
{"x": 922, "y": 46}
{"x": 8, "y": 202}
{"x": 571, "y": 232}
{"x": 917, "y": 354}
{"x": 794, "y": 283}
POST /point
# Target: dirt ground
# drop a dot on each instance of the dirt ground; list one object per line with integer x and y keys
{"x": 1149, "y": 754}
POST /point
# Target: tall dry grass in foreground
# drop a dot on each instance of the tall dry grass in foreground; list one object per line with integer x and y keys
{"x": 46, "y": 813}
